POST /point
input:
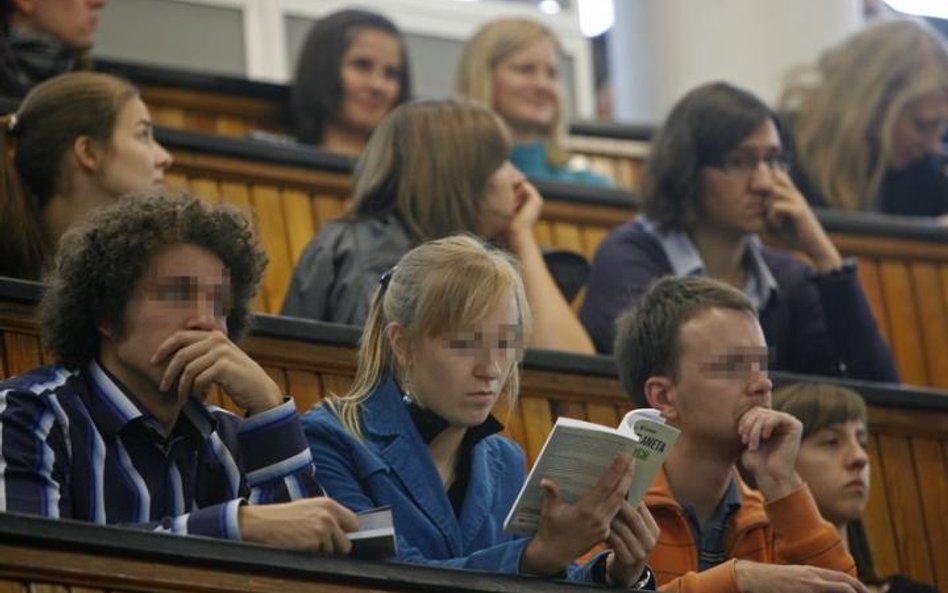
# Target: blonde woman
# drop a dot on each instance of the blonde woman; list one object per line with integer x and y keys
{"x": 868, "y": 119}
{"x": 513, "y": 65}
{"x": 440, "y": 348}
{"x": 431, "y": 169}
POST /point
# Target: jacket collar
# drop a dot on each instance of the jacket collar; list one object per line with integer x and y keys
{"x": 659, "y": 494}
{"x": 390, "y": 431}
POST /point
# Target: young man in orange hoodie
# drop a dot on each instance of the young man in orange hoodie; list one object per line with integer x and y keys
{"x": 693, "y": 349}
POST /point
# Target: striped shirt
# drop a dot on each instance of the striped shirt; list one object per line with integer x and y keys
{"x": 74, "y": 444}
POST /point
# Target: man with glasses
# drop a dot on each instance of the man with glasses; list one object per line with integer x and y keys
{"x": 717, "y": 179}
{"x": 694, "y": 350}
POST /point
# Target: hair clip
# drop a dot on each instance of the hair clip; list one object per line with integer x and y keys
{"x": 11, "y": 125}
{"x": 387, "y": 277}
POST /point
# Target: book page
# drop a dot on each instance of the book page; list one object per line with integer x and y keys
{"x": 578, "y": 453}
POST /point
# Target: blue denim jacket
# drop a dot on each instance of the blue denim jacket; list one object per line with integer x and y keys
{"x": 393, "y": 466}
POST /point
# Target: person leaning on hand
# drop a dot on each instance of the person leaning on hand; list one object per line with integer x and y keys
{"x": 141, "y": 309}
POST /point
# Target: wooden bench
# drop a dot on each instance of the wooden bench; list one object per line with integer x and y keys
{"x": 909, "y": 427}
{"x": 40, "y": 555}
{"x": 291, "y": 191}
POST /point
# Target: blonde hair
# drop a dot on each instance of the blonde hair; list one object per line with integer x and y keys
{"x": 437, "y": 287}
{"x": 492, "y": 44}
{"x": 429, "y": 163}
{"x": 847, "y": 105}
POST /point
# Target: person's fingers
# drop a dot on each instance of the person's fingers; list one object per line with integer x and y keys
{"x": 340, "y": 543}
{"x": 194, "y": 369}
{"x": 177, "y": 341}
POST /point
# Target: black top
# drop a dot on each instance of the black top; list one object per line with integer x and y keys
{"x": 921, "y": 189}
{"x": 430, "y": 425}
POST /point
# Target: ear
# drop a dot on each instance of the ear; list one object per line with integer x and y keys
{"x": 660, "y": 394}
{"x": 87, "y": 154}
{"x": 399, "y": 340}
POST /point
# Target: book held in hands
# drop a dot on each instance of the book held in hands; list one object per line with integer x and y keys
{"x": 577, "y": 453}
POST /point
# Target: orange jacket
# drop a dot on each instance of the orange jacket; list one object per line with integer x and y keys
{"x": 786, "y": 531}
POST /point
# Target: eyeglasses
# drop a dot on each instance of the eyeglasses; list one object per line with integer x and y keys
{"x": 745, "y": 163}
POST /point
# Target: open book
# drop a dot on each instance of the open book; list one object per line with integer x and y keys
{"x": 375, "y": 539}
{"x": 578, "y": 453}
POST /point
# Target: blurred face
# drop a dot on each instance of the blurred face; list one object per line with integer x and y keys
{"x": 500, "y": 199}
{"x": 459, "y": 375}
{"x": 370, "y": 72}
{"x": 735, "y": 192}
{"x": 722, "y": 373}
{"x": 134, "y": 160}
{"x": 526, "y": 87}
{"x": 71, "y": 21}
{"x": 918, "y": 129}
{"x": 834, "y": 464}
{"x": 184, "y": 287}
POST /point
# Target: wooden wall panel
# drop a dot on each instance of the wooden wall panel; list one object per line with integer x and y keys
{"x": 905, "y": 506}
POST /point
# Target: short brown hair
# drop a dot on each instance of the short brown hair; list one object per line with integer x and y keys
{"x": 819, "y": 405}
{"x": 647, "y": 335}
{"x": 100, "y": 261}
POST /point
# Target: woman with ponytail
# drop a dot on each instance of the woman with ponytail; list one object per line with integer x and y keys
{"x": 77, "y": 141}
{"x": 440, "y": 348}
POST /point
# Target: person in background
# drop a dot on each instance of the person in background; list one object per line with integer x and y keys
{"x": 432, "y": 169}
{"x": 42, "y": 38}
{"x": 692, "y": 348}
{"x": 513, "y": 65}
{"x": 140, "y": 313}
{"x": 78, "y": 141}
{"x": 439, "y": 350}
{"x": 867, "y": 122}
{"x": 834, "y": 463}
{"x": 715, "y": 181}
{"x": 352, "y": 70}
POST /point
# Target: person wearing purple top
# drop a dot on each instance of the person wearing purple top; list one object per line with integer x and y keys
{"x": 716, "y": 179}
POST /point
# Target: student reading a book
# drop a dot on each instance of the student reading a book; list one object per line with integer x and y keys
{"x": 445, "y": 332}
{"x": 834, "y": 463}
{"x": 694, "y": 349}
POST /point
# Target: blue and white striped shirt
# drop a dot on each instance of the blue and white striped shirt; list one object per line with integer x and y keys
{"x": 74, "y": 444}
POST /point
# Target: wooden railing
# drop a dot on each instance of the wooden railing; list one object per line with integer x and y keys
{"x": 44, "y": 555}
{"x": 909, "y": 427}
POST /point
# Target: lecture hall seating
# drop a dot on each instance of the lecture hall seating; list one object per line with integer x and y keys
{"x": 291, "y": 191}
{"x": 903, "y": 266}
{"x": 909, "y": 426}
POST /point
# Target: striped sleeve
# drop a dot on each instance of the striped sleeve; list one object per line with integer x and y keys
{"x": 277, "y": 460}
{"x": 34, "y": 456}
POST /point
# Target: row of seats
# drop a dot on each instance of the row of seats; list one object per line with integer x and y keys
{"x": 292, "y": 192}
{"x": 909, "y": 427}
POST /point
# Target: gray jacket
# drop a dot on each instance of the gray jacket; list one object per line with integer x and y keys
{"x": 340, "y": 269}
